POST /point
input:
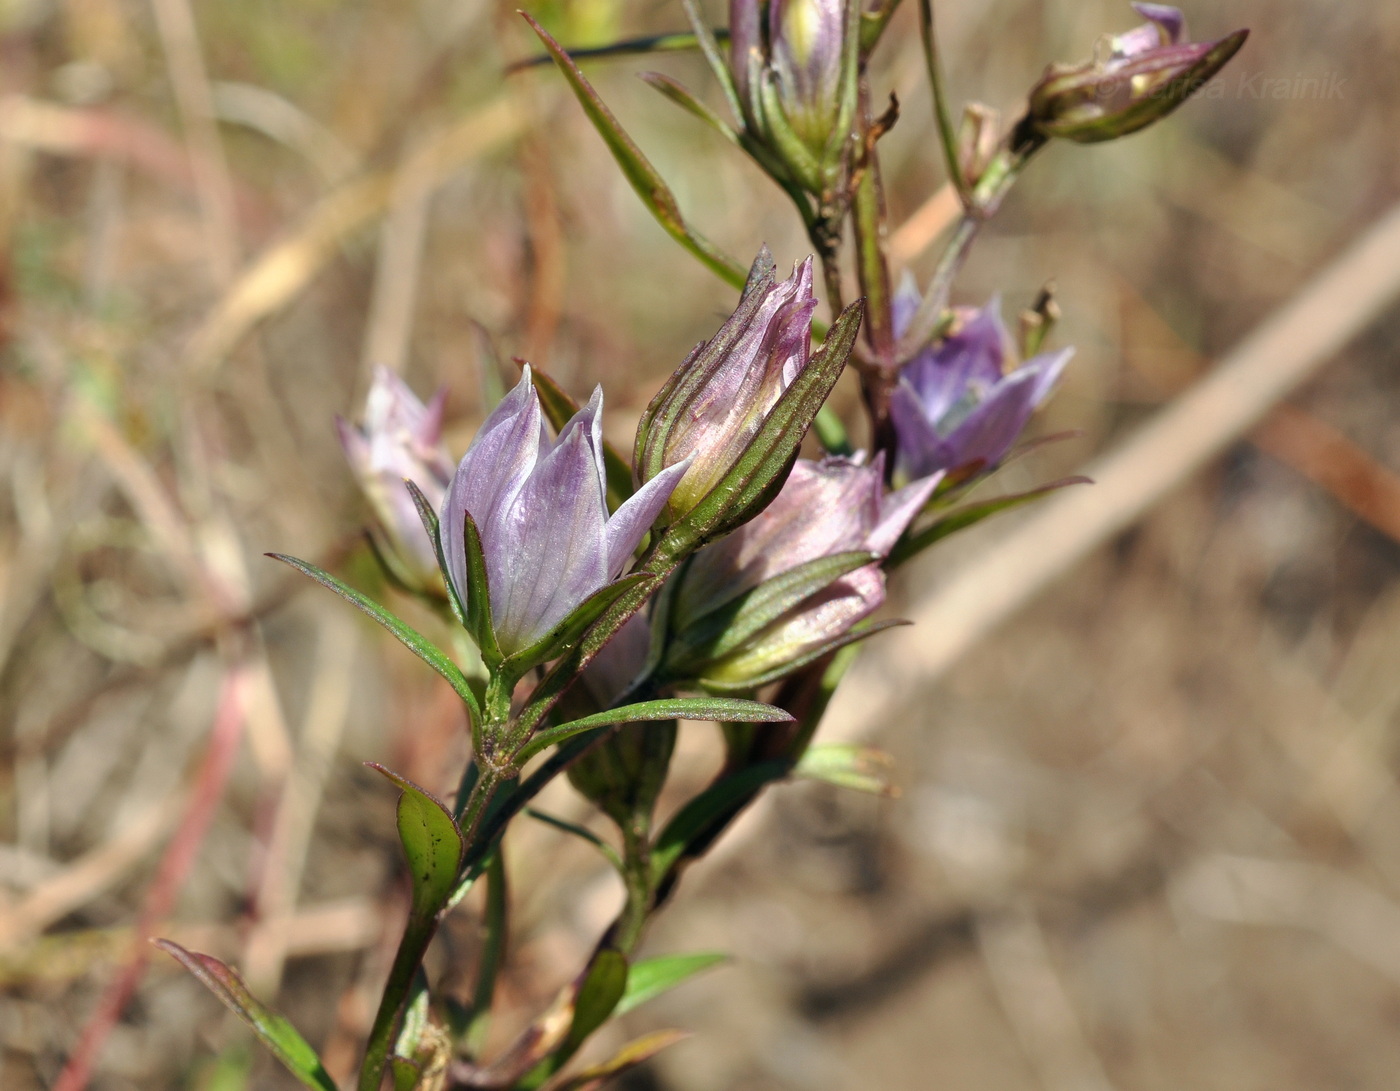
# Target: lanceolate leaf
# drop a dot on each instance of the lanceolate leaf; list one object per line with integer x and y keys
{"x": 478, "y": 604}
{"x": 410, "y": 637}
{"x": 683, "y": 98}
{"x": 430, "y": 524}
{"x": 598, "y": 996}
{"x": 723, "y": 709}
{"x": 649, "y": 185}
{"x": 715, "y": 804}
{"x": 678, "y": 42}
{"x": 968, "y": 515}
{"x": 272, "y": 1029}
{"x": 651, "y": 977}
{"x": 578, "y": 831}
{"x": 558, "y": 407}
{"x": 628, "y": 1057}
{"x": 432, "y": 842}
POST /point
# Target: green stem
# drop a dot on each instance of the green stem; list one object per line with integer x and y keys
{"x": 947, "y": 135}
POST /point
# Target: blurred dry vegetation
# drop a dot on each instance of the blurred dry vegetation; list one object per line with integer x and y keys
{"x": 1149, "y": 832}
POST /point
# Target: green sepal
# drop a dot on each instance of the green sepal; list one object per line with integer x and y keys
{"x": 747, "y": 683}
{"x": 272, "y": 1028}
{"x": 431, "y": 525}
{"x": 720, "y": 709}
{"x": 432, "y": 843}
{"x": 848, "y": 765}
{"x": 644, "y": 178}
{"x": 728, "y": 627}
{"x": 651, "y": 977}
{"x": 477, "y": 608}
{"x": 796, "y": 156}
{"x": 559, "y": 406}
{"x": 760, "y": 471}
{"x": 564, "y": 636}
{"x": 961, "y": 518}
{"x": 410, "y": 637}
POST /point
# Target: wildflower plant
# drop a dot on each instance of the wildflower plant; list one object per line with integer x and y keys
{"x": 729, "y": 568}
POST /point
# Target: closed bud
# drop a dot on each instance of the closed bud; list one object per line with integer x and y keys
{"x": 1138, "y": 78}
{"x": 738, "y": 616}
{"x": 979, "y": 137}
{"x": 711, "y": 409}
{"x": 400, "y": 441}
{"x": 794, "y": 65}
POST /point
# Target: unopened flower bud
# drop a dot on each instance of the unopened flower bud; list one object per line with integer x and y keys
{"x": 398, "y": 441}
{"x": 714, "y": 405}
{"x": 836, "y": 506}
{"x": 541, "y": 509}
{"x": 978, "y": 138}
{"x": 1138, "y": 78}
{"x": 955, "y": 408}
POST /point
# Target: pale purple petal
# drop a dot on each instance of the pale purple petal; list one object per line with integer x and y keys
{"x": 1169, "y": 20}
{"x": 921, "y": 450}
{"x": 898, "y": 510}
{"x": 964, "y": 365}
{"x": 549, "y": 551}
{"x": 631, "y": 521}
{"x": 907, "y": 298}
{"x": 490, "y": 475}
{"x": 989, "y": 430}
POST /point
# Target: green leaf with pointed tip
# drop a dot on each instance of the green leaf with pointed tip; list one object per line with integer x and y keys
{"x": 648, "y": 184}
{"x": 651, "y": 977}
{"x": 709, "y": 45}
{"x": 432, "y": 842}
{"x": 968, "y": 515}
{"x": 733, "y": 676}
{"x": 597, "y": 997}
{"x": 848, "y": 765}
{"x": 567, "y": 633}
{"x": 719, "y": 802}
{"x": 581, "y": 832}
{"x": 430, "y": 524}
{"x": 628, "y": 1057}
{"x": 678, "y": 42}
{"x": 722, "y": 709}
{"x": 726, "y": 628}
{"x": 272, "y": 1028}
{"x": 559, "y": 406}
{"x": 683, "y": 98}
{"x": 478, "y": 604}
{"x": 410, "y": 637}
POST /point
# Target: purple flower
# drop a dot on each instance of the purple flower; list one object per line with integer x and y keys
{"x": 541, "y": 509}
{"x": 1139, "y": 78}
{"x": 400, "y": 440}
{"x": 954, "y": 408}
{"x": 834, "y": 506}
{"x": 716, "y": 402}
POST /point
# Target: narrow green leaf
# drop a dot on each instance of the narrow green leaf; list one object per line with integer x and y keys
{"x": 410, "y": 637}
{"x": 645, "y": 180}
{"x": 848, "y": 765}
{"x": 628, "y": 1057}
{"x": 722, "y": 709}
{"x": 431, "y": 525}
{"x": 432, "y": 842}
{"x": 478, "y": 605}
{"x": 709, "y": 45}
{"x": 683, "y": 98}
{"x": 748, "y": 682}
{"x": 559, "y": 406}
{"x": 726, "y": 628}
{"x": 717, "y": 803}
{"x": 272, "y": 1028}
{"x": 961, "y": 518}
{"x": 651, "y": 977}
{"x": 581, "y": 832}
{"x": 677, "y": 42}
{"x": 597, "y": 996}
